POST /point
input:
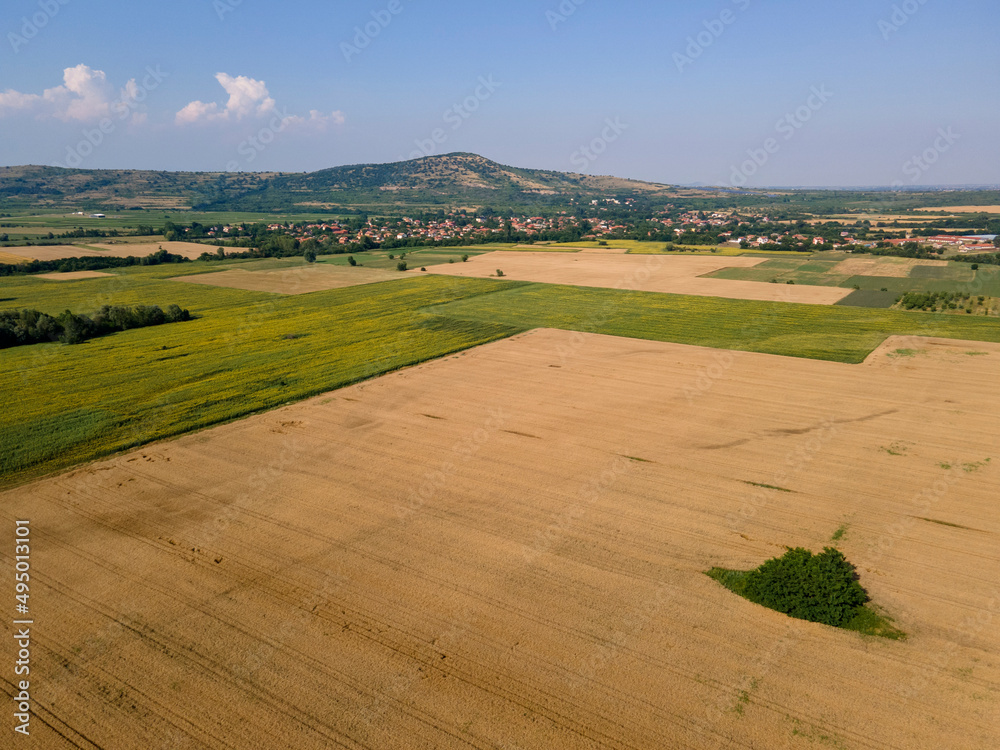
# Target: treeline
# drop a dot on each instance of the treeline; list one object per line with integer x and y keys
{"x": 990, "y": 259}
{"x": 89, "y": 263}
{"x": 906, "y": 250}
{"x": 933, "y": 301}
{"x": 20, "y": 327}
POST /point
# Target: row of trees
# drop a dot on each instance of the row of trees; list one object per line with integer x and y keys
{"x": 20, "y": 327}
{"x": 89, "y": 263}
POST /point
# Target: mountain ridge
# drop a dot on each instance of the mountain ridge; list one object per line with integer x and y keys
{"x": 447, "y": 180}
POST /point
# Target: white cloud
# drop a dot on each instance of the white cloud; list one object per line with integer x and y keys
{"x": 197, "y": 112}
{"x": 85, "y": 95}
{"x": 249, "y": 98}
{"x": 316, "y": 119}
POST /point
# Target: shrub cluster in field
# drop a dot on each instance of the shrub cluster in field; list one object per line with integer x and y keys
{"x": 89, "y": 263}
{"x": 820, "y": 588}
{"x": 19, "y": 327}
{"x": 935, "y": 301}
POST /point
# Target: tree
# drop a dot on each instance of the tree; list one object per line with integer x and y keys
{"x": 309, "y": 256}
{"x": 401, "y": 266}
{"x": 351, "y": 261}
{"x": 465, "y": 258}
{"x": 996, "y": 241}
{"x": 820, "y": 588}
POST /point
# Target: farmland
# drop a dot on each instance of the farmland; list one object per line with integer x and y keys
{"x": 299, "y": 279}
{"x": 437, "y": 511}
{"x": 245, "y": 352}
{"x": 666, "y": 274}
{"x": 507, "y": 549}
{"x": 638, "y": 247}
{"x": 871, "y": 273}
{"x": 190, "y": 250}
{"x": 840, "y": 334}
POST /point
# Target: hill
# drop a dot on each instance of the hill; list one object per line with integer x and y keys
{"x": 435, "y": 181}
{"x": 448, "y": 181}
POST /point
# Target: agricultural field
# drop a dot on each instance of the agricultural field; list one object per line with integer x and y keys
{"x": 245, "y": 352}
{"x": 95, "y": 248}
{"x": 507, "y": 548}
{"x": 72, "y": 275}
{"x": 637, "y": 247}
{"x": 839, "y": 334}
{"x": 660, "y": 273}
{"x": 303, "y": 279}
{"x": 11, "y": 259}
{"x": 949, "y": 210}
{"x": 415, "y": 257}
{"x": 871, "y": 273}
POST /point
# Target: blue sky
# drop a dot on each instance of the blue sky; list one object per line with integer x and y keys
{"x": 719, "y": 92}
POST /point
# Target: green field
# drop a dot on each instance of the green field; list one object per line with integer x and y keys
{"x": 246, "y": 352}
{"x": 819, "y": 271}
{"x": 251, "y": 351}
{"x": 841, "y": 334}
{"x": 870, "y": 298}
{"x": 415, "y": 257}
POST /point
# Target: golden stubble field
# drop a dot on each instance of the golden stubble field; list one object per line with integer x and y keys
{"x": 300, "y": 280}
{"x": 505, "y": 549}
{"x": 190, "y": 250}
{"x": 647, "y": 273}
{"x": 899, "y": 268}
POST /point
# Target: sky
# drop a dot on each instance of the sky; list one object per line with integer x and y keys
{"x": 721, "y": 92}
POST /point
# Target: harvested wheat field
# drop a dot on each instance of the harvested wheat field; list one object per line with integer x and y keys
{"x": 505, "y": 549}
{"x": 11, "y": 260}
{"x": 647, "y": 273}
{"x": 963, "y": 209}
{"x": 72, "y": 275}
{"x": 189, "y": 250}
{"x": 300, "y": 280}
{"x": 899, "y": 268}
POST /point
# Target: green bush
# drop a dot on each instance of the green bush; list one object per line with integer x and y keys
{"x": 351, "y": 261}
{"x": 819, "y": 588}
{"x": 401, "y": 266}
